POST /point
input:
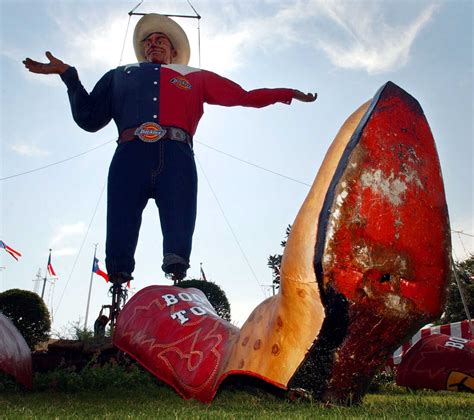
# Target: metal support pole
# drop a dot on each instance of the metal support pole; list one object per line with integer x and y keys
{"x": 463, "y": 298}
{"x": 90, "y": 289}
{"x": 46, "y": 274}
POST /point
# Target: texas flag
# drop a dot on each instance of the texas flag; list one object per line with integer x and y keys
{"x": 11, "y": 251}
{"x": 50, "y": 267}
{"x": 96, "y": 268}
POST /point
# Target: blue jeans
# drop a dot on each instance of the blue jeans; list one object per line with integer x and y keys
{"x": 164, "y": 171}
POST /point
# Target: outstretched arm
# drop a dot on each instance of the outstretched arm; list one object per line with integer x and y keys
{"x": 55, "y": 65}
{"x": 90, "y": 111}
{"x": 304, "y": 97}
{"x": 219, "y": 90}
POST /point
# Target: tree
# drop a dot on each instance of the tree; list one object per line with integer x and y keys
{"x": 214, "y": 294}
{"x": 454, "y": 308}
{"x": 28, "y": 313}
{"x": 274, "y": 261}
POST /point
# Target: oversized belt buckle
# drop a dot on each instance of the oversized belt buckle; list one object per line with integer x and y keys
{"x": 150, "y": 132}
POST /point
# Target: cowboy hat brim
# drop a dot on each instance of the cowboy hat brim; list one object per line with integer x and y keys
{"x": 154, "y": 22}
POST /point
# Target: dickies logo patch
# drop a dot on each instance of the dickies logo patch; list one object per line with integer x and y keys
{"x": 181, "y": 82}
{"x": 150, "y": 132}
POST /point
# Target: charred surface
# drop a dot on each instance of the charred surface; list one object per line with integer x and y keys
{"x": 314, "y": 373}
{"x": 370, "y": 341}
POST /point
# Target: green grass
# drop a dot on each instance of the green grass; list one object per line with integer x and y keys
{"x": 162, "y": 402}
{"x": 114, "y": 392}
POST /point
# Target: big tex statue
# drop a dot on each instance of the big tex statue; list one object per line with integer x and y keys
{"x": 366, "y": 263}
{"x": 156, "y": 105}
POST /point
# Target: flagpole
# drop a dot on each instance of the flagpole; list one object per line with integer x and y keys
{"x": 203, "y": 275}
{"x": 463, "y": 299}
{"x": 90, "y": 288}
{"x": 46, "y": 274}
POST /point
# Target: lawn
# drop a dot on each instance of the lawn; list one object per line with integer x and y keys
{"x": 159, "y": 401}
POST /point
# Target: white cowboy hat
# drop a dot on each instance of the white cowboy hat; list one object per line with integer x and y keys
{"x": 153, "y": 22}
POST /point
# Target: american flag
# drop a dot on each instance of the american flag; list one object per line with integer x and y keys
{"x": 11, "y": 251}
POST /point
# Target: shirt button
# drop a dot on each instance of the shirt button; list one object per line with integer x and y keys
{"x": 128, "y": 71}
{"x": 155, "y": 116}
{"x": 155, "y": 99}
{"x": 156, "y": 68}
{"x": 155, "y": 83}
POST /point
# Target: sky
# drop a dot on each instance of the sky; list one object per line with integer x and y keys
{"x": 255, "y": 166}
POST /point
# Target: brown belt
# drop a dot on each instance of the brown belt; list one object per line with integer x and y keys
{"x": 151, "y": 132}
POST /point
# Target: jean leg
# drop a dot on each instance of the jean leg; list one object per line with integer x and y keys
{"x": 176, "y": 198}
{"x": 126, "y": 199}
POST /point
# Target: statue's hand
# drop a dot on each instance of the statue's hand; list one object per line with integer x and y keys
{"x": 304, "y": 97}
{"x": 55, "y": 65}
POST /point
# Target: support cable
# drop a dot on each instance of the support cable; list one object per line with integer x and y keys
{"x": 82, "y": 246}
{"x": 135, "y": 8}
{"x": 462, "y": 233}
{"x": 57, "y": 163}
{"x": 462, "y": 244}
{"x": 196, "y": 16}
{"x": 230, "y": 228}
{"x": 253, "y": 164}
{"x": 125, "y": 37}
{"x": 198, "y": 31}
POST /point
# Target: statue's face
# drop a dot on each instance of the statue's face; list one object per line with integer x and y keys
{"x": 158, "y": 49}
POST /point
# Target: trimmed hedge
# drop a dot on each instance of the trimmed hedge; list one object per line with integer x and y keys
{"x": 215, "y": 295}
{"x": 28, "y": 313}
